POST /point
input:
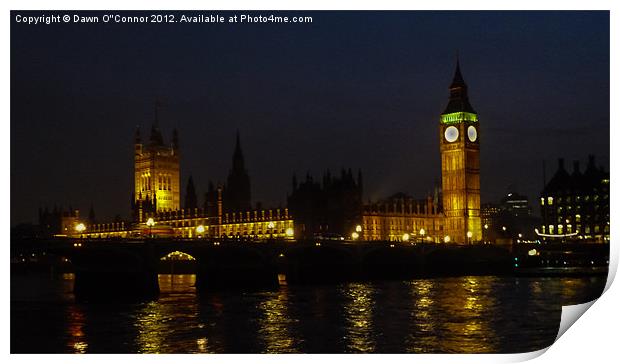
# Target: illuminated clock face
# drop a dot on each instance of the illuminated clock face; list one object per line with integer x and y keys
{"x": 451, "y": 134}
{"x": 472, "y": 134}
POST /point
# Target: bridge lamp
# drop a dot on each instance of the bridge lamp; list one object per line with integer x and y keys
{"x": 289, "y": 232}
{"x": 446, "y": 239}
{"x": 80, "y": 228}
{"x": 150, "y": 223}
{"x": 406, "y": 237}
{"x": 200, "y": 229}
{"x": 503, "y": 228}
{"x": 358, "y": 228}
{"x": 355, "y": 235}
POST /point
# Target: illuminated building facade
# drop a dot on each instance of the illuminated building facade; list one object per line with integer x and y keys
{"x": 156, "y": 174}
{"x": 576, "y": 204}
{"x": 402, "y": 218}
{"x": 330, "y": 209}
{"x": 459, "y": 141}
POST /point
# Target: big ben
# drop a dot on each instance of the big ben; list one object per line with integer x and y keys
{"x": 459, "y": 142}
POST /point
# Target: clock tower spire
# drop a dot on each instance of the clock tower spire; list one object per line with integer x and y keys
{"x": 459, "y": 145}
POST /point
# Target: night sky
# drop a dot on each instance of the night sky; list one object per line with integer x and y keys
{"x": 352, "y": 89}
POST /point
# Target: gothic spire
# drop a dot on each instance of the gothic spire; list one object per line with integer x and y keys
{"x": 459, "y": 100}
{"x": 175, "y": 139}
{"x": 156, "y": 137}
{"x": 191, "y": 201}
{"x": 238, "y": 161}
{"x": 457, "y": 80}
{"x": 137, "y": 139}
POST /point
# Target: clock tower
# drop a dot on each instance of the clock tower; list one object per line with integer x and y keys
{"x": 459, "y": 143}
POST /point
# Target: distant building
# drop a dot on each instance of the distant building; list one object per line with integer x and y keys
{"x": 510, "y": 220}
{"x": 332, "y": 208}
{"x": 491, "y": 224}
{"x": 576, "y": 204}
{"x": 58, "y": 222}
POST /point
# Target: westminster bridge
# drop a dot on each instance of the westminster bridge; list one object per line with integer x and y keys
{"x": 116, "y": 268}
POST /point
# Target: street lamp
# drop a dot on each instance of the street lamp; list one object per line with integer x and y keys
{"x": 80, "y": 228}
{"x": 406, "y": 237}
{"x": 358, "y": 228}
{"x": 200, "y": 229}
{"x": 150, "y": 223}
{"x": 355, "y": 235}
{"x": 422, "y": 232}
{"x": 469, "y": 235}
{"x": 289, "y": 232}
{"x": 446, "y": 239}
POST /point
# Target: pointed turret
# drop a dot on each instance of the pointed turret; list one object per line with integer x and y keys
{"x": 237, "y": 191}
{"x": 238, "y": 160}
{"x": 137, "y": 139}
{"x": 459, "y": 100}
{"x": 175, "y": 139}
{"x": 156, "y": 137}
{"x": 91, "y": 214}
{"x": 191, "y": 201}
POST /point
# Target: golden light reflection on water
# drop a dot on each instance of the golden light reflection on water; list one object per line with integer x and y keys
{"x": 358, "y": 310}
{"x": 150, "y": 324}
{"x": 422, "y": 333}
{"x": 275, "y": 323}
{"x": 156, "y": 321}
{"x": 451, "y": 315}
{"x": 75, "y": 330}
{"x": 466, "y": 330}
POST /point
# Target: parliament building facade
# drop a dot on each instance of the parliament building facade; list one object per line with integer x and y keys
{"x": 330, "y": 208}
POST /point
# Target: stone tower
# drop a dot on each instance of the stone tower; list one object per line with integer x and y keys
{"x": 459, "y": 143}
{"x": 156, "y": 173}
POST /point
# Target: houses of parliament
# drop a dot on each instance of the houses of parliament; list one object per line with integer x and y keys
{"x": 327, "y": 207}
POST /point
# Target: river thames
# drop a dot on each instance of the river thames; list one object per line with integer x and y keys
{"x": 472, "y": 314}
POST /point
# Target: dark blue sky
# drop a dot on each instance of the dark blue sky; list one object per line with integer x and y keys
{"x": 353, "y": 89}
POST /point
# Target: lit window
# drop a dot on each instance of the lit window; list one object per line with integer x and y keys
{"x": 549, "y": 200}
{"x": 551, "y": 229}
{"x": 578, "y": 218}
{"x": 542, "y": 201}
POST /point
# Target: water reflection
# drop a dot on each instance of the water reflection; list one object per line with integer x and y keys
{"x": 358, "y": 309}
{"x": 459, "y": 314}
{"x": 422, "y": 334}
{"x": 275, "y": 323}
{"x": 453, "y": 315}
{"x": 160, "y": 323}
{"x": 76, "y": 342}
{"x": 471, "y": 302}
